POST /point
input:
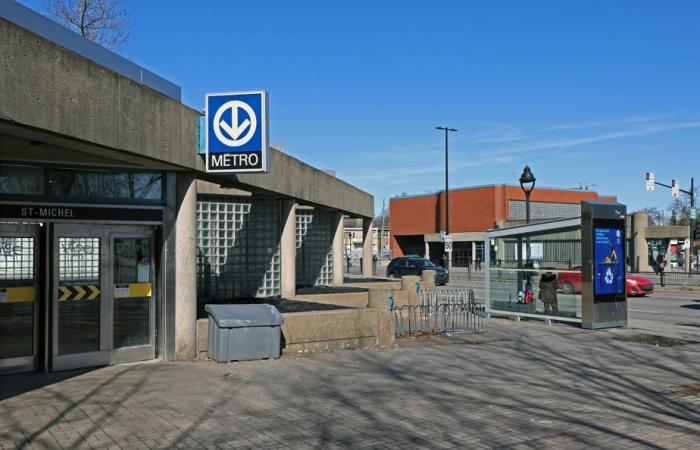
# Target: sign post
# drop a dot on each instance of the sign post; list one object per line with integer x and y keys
{"x": 448, "y": 243}
{"x": 237, "y": 135}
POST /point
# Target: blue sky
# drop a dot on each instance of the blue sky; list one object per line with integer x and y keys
{"x": 594, "y": 92}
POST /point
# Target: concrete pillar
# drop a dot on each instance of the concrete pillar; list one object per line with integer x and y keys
{"x": 473, "y": 251}
{"x": 640, "y": 221}
{"x": 288, "y": 249}
{"x": 338, "y": 230}
{"x": 427, "y": 250}
{"x": 367, "y": 262}
{"x": 185, "y": 267}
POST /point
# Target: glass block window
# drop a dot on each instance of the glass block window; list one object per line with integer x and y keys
{"x": 314, "y": 239}
{"x": 16, "y": 258}
{"x": 543, "y": 210}
{"x": 78, "y": 259}
{"x": 238, "y": 253}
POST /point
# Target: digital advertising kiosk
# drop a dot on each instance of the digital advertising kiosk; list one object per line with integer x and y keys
{"x": 603, "y": 253}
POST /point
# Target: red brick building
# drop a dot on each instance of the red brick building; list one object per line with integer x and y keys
{"x": 416, "y": 221}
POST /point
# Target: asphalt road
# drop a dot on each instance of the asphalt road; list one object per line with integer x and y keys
{"x": 668, "y": 311}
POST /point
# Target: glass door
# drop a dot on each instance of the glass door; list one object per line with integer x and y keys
{"x": 104, "y": 307}
{"x": 81, "y": 296}
{"x": 133, "y": 299}
{"x": 19, "y": 311}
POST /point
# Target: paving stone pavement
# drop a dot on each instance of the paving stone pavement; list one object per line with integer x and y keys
{"x": 518, "y": 386}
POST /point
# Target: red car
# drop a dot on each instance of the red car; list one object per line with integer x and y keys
{"x": 570, "y": 283}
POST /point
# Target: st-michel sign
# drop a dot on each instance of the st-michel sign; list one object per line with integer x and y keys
{"x": 236, "y": 138}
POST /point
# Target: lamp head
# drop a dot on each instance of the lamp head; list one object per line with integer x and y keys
{"x": 527, "y": 180}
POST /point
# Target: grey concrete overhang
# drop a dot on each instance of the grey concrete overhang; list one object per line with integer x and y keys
{"x": 667, "y": 232}
{"x": 535, "y": 228}
{"x": 467, "y": 236}
{"x": 54, "y": 96}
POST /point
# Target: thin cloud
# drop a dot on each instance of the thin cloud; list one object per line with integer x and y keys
{"x": 607, "y": 122}
{"x": 572, "y": 142}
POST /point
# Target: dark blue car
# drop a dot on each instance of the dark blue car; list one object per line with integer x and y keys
{"x": 406, "y": 265}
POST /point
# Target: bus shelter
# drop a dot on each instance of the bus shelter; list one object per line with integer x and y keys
{"x": 534, "y": 271}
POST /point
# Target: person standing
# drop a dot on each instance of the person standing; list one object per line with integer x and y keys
{"x": 661, "y": 266}
{"x": 548, "y": 293}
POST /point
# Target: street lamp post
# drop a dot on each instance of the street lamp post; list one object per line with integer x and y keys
{"x": 448, "y": 257}
{"x": 527, "y": 184}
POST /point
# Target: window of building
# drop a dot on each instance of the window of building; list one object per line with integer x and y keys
{"x": 21, "y": 180}
{"x": 542, "y": 210}
{"x": 54, "y": 183}
{"x": 105, "y": 184}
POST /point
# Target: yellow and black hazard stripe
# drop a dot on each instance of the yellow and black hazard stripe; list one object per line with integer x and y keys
{"x": 81, "y": 292}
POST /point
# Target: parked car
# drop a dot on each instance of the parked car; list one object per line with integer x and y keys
{"x": 410, "y": 265}
{"x": 570, "y": 283}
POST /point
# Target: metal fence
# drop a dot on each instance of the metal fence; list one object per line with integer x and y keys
{"x": 440, "y": 310}
{"x": 672, "y": 278}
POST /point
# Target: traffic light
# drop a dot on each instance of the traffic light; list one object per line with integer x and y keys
{"x": 650, "y": 181}
{"x": 675, "y": 188}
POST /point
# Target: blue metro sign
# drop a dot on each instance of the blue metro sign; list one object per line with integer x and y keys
{"x": 236, "y": 137}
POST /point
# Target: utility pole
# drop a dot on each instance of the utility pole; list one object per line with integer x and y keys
{"x": 448, "y": 258}
{"x": 693, "y": 225}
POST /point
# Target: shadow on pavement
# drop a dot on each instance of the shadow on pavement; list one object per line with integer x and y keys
{"x": 17, "y": 384}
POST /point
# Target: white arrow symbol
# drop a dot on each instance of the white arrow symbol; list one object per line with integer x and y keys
{"x": 234, "y": 130}
{"x": 232, "y": 135}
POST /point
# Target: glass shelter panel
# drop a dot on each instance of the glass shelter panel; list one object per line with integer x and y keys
{"x": 78, "y": 294}
{"x": 537, "y": 274}
{"x": 17, "y": 296}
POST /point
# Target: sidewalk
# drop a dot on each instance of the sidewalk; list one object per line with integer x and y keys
{"x": 519, "y": 385}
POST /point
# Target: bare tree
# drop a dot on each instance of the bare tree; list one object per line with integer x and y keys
{"x": 101, "y": 21}
{"x": 680, "y": 209}
{"x": 657, "y": 217}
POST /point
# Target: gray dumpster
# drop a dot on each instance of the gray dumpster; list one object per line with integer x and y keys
{"x": 243, "y": 332}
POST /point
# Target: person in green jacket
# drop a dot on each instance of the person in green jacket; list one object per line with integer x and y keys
{"x": 548, "y": 293}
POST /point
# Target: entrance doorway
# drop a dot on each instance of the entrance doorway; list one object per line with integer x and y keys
{"x": 19, "y": 289}
{"x": 95, "y": 286}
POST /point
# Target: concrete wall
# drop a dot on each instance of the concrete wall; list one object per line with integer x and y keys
{"x": 45, "y": 86}
{"x": 334, "y": 330}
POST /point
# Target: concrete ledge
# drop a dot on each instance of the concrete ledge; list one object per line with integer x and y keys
{"x": 376, "y": 285}
{"x": 325, "y": 330}
{"x": 331, "y": 330}
{"x": 351, "y": 299}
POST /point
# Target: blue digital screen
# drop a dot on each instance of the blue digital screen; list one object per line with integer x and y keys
{"x": 608, "y": 269}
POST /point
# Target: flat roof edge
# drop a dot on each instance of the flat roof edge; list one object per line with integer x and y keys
{"x": 495, "y": 185}
{"x": 36, "y": 23}
{"x": 535, "y": 227}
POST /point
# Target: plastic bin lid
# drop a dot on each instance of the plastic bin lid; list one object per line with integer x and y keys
{"x": 238, "y": 316}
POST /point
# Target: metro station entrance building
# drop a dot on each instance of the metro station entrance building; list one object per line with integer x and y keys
{"x": 112, "y": 235}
